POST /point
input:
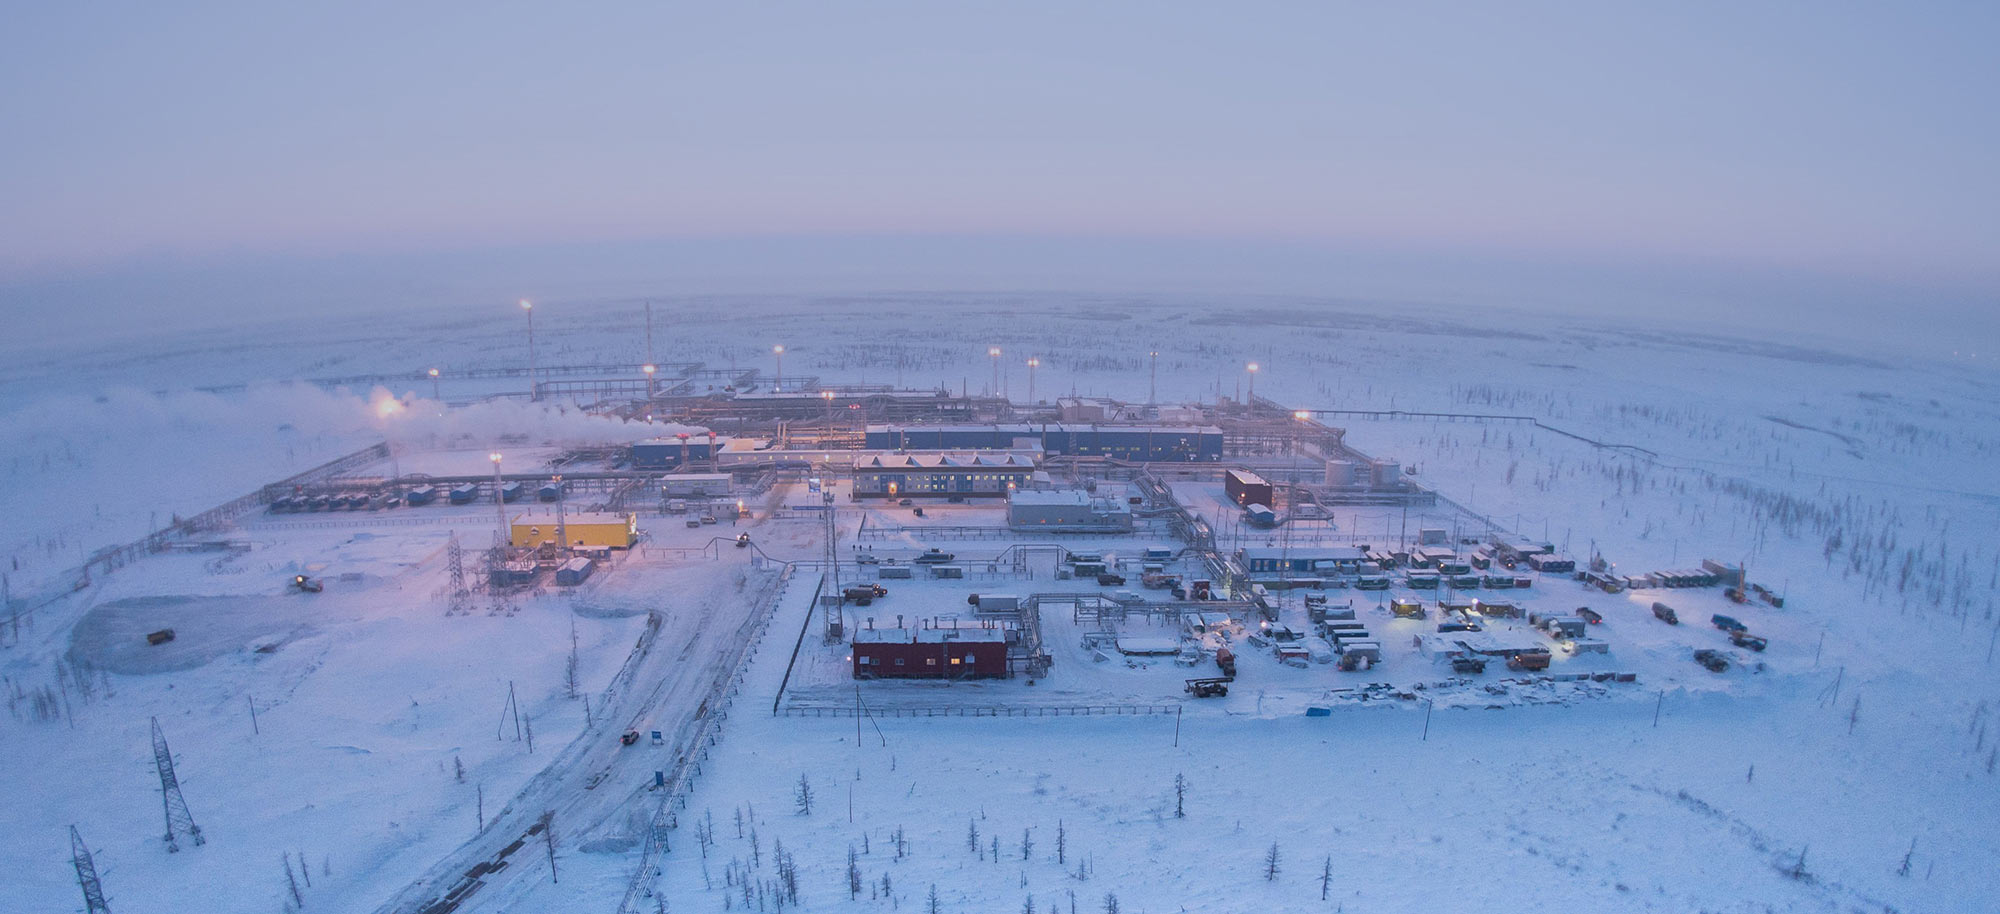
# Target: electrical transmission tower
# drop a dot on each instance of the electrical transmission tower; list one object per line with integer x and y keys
{"x": 455, "y": 560}
{"x": 86, "y": 875}
{"x": 179, "y": 820}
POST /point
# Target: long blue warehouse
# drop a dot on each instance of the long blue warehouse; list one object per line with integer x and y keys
{"x": 1177, "y": 443}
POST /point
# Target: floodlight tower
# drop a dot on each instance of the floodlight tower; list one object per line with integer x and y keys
{"x": 1252, "y": 370}
{"x": 649, "y": 368}
{"x": 1033, "y": 363}
{"x": 534, "y": 392}
{"x": 826, "y": 395}
{"x": 778, "y": 380}
{"x": 499, "y": 501}
{"x": 1153, "y": 380}
{"x": 434, "y": 385}
{"x": 994, "y": 354}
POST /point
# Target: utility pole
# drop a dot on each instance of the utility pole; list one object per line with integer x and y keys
{"x": 1153, "y": 380}
{"x": 86, "y": 875}
{"x": 1033, "y": 363}
{"x": 994, "y": 354}
{"x": 179, "y": 820}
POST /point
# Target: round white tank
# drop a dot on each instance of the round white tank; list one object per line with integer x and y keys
{"x": 1388, "y": 473}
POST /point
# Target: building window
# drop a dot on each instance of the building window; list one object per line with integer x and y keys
{"x": 899, "y": 661}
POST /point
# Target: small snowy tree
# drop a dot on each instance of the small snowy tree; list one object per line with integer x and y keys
{"x": 1180, "y": 796}
{"x": 1271, "y": 863}
{"x": 802, "y": 796}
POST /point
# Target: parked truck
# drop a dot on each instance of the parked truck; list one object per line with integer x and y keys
{"x": 1529, "y": 660}
{"x": 1666, "y": 614}
{"x": 1728, "y": 623}
{"x": 1225, "y": 660}
{"x": 1745, "y": 639}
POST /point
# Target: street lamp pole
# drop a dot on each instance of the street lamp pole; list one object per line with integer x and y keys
{"x": 649, "y": 368}
{"x": 1252, "y": 399}
{"x": 1153, "y": 381}
{"x": 534, "y": 392}
{"x": 778, "y": 380}
{"x": 1033, "y": 364}
{"x": 994, "y": 354}
{"x": 434, "y": 386}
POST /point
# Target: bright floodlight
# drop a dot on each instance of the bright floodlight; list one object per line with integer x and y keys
{"x": 1253, "y": 366}
{"x": 779, "y": 349}
{"x": 827, "y": 394}
{"x": 1302, "y": 415}
{"x": 434, "y": 372}
{"x": 649, "y": 369}
{"x": 995, "y": 351}
{"x": 495, "y": 456}
{"x": 527, "y": 305}
{"x": 1034, "y": 363}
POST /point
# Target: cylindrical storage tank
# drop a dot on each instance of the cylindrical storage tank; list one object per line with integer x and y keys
{"x": 1388, "y": 473}
{"x": 1340, "y": 472}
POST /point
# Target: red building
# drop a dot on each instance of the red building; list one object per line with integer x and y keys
{"x": 930, "y": 653}
{"x": 1246, "y": 488}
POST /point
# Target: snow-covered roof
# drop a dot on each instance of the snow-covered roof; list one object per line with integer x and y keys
{"x": 1020, "y": 460}
{"x": 1305, "y": 554}
{"x": 928, "y": 635}
{"x": 581, "y": 518}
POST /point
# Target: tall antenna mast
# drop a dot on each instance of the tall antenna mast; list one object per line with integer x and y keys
{"x": 86, "y": 875}
{"x": 179, "y": 820}
{"x": 649, "y": 334}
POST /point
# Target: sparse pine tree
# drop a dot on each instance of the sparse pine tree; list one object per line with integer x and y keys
{"x": 1180, "y": 796}
{"x": 931, "y": 904}
{"x": 459, "y": 768}
{"x": 1062, "y": 844}
{"x": 1028, "y": 906}
{"x": 853, "y": 873}
{"x": 1027, "y": 842}
{"x": 1325, "y": 878}
{"x": 802, "y": 796}
{"x": 972, "y": 835}
{"x": 1271, "y": 863}
{"x": 995, "y": 850}
{"x": 1110, "y": 903}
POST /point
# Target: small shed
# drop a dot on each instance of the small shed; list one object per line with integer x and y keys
{"x": 575, "y": 571}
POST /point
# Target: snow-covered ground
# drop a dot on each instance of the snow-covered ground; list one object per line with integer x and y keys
{"x": 1856, "y": 481}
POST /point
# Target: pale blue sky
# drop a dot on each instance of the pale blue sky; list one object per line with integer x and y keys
{"x": 1830, "y": 143}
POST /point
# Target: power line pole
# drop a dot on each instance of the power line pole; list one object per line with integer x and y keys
{"x": 86, "y": 875}
{"x": 179, "y": 820}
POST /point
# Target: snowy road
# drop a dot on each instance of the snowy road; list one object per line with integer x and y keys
{"x": 596, "y": 780}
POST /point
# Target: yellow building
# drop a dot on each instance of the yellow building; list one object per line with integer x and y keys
{"x": 596, "y": 530}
